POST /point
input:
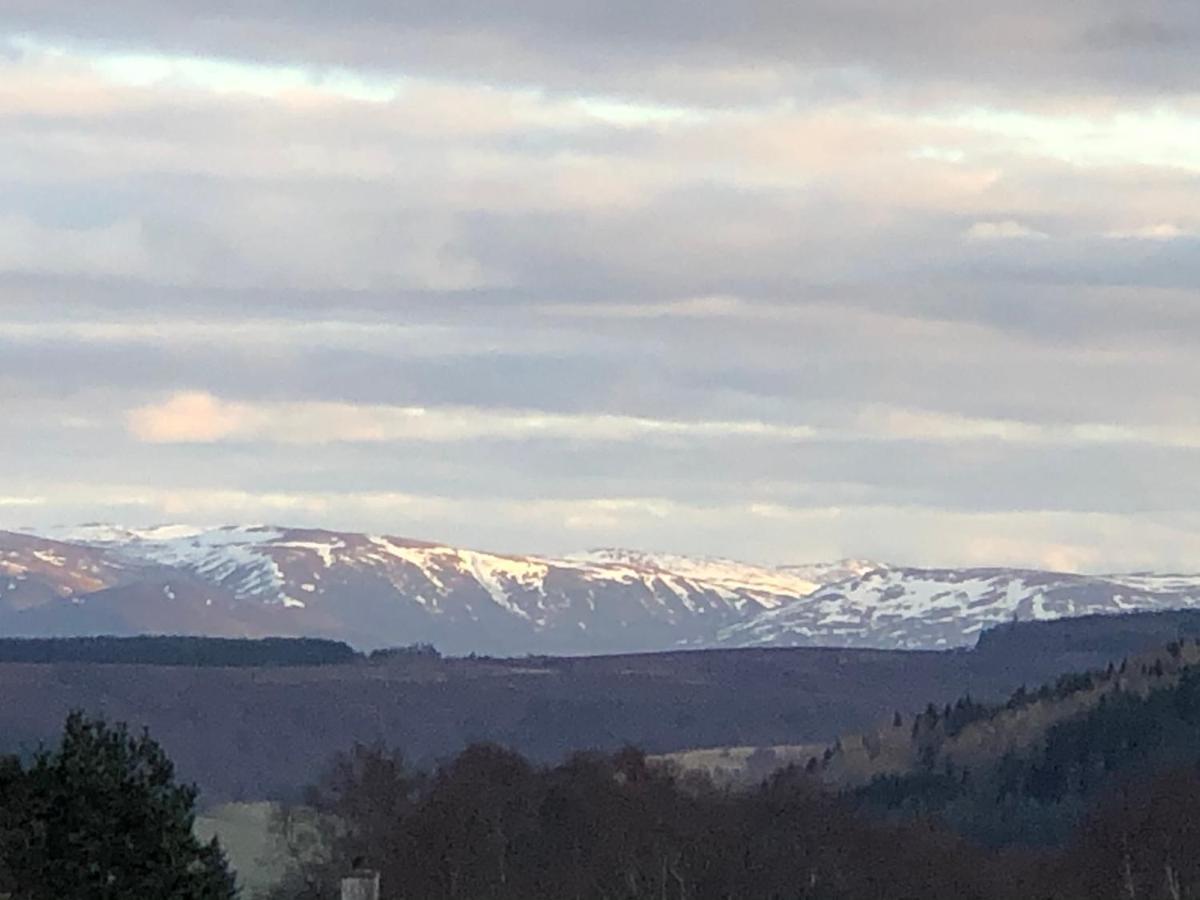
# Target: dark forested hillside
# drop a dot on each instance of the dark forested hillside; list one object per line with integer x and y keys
{"x": 265, "y": 729}
{"x": 1025, "y": 770}
{"x": 492, "y": 824}
{"x": 1087, "y": 788}
{"x": 249, "y": 733}
{"x": 167, "y": 650}
{"x": 1086, "y": 636}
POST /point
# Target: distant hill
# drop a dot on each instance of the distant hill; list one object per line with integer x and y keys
{"x": 263, "y": 731}
{"x": 1024, "y": 770}
{"x": 1093, "y": 634}
{"x": 378, "y": 590}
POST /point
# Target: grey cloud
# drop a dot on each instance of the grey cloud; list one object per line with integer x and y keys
{"x": 964, "y": 478}
{"x": 1097, "y": 46}
{"x": 526, "y": 246}
{"x": 1065, "y": 357}
{"x": 563, "y": 383}
{"x": 241, "y": 237}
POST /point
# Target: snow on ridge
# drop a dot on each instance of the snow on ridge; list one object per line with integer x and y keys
{"x": 421, "y": 557}
{"x": 103, "y": 534}
{"x": 905, "y": 607}
{"x": 771, "y": 585}
{"x": 325, "y": 552}
{"x": 50, "y": 558}
{"x": 238, "y": 557}
{"x": 234, "y": 557}
{"x": 708, "y": 600}
{"x": 497, "y": 575}
{"x": 824, "y": 573}
{"x": 492, "y": 571}
{"x": 242, "y": 558}
{"x": 1149, "y": 581}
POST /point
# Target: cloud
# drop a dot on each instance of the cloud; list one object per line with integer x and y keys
{"x": 731, "y": 49}
{"x": 692, "y": 307}
{"x": 925, "y": 425}
{"x": 1055, "y": 557}
{"x": 777, "y": 533}
{"x": 871, "y": 278}
{"x": 21, "y": 501}
{"x": 1161, "y": 232}
{"x": 198, "y": 417}
{"x": 117, "y": 249}
{"x": 192, "y": 417}
{"x": 1003, "y": 231}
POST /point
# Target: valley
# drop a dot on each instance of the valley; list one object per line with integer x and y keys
{"x": 253, "y": 732}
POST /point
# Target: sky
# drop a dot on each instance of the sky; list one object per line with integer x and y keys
{"x": 780, "y": 281}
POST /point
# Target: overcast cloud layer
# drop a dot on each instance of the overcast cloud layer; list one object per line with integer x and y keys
{"x": 779, "y": 281}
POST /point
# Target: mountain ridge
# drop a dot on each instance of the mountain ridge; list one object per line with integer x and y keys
{"x": 377, "y": 590}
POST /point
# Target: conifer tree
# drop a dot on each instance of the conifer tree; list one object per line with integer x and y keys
{"x": 102, "y": 818}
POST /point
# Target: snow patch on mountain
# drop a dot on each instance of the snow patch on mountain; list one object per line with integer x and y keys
{"x": 232, "y": 557}
{"x": 773, "y": 586}
{"x": 907, "y": 608}
{"x": 377, "y": 590}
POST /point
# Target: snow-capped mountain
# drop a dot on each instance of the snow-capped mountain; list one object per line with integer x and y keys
{"x": 908, "y": 608}
{"x": 34, "y": 570}
{"x": 376, "y": 590}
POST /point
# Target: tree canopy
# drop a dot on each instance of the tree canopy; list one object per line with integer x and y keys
{"x": 101, "y": 817}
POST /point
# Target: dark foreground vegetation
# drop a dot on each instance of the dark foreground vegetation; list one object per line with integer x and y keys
{"x": 491, "y": 826}
{"x": 1087, "y": 788}
{"x": 100, "y": 817}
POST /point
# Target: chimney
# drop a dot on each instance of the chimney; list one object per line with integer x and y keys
{"x": 361, "y": 884}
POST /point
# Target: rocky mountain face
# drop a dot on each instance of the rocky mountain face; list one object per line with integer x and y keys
{"x": 374, "y": 591}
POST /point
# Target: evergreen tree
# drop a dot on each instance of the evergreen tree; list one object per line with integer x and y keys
{"x": 102, "y": 818}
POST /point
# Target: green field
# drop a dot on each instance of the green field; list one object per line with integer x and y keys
{"x": 244, "y": 831}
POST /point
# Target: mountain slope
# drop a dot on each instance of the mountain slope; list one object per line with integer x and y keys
{"x": 380, "y": 590}
{"x": 376, "y": 590}
{"x": 910, "y": 608}
{"x": 1024, "y": 770}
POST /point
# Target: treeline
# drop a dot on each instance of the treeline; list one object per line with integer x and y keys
{"x": 177, "y": 651}
{"x": 489, "y": 825}
{"x": 1113, "y": 636}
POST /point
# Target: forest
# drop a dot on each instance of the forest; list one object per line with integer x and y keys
{"x": 1129, "y": 722}
{"x": 489, "y": 825}
{"x": 175, "y": 650}
{"x": 1102, "y": 799}
{"x": 256, "y": 720}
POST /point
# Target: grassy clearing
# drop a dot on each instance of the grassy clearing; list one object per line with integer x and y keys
{"x": 244, "y": 831}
